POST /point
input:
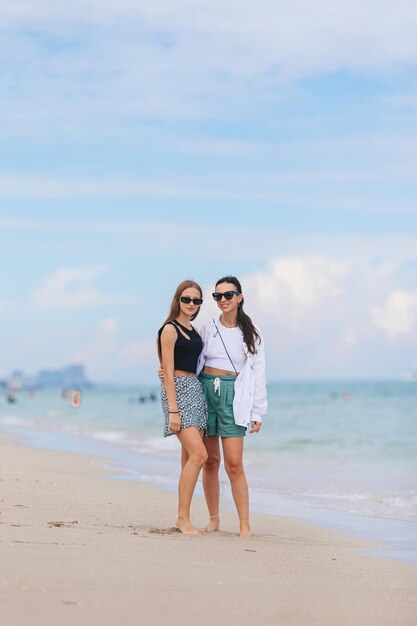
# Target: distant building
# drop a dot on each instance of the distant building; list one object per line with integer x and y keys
{"x": 16, "y": 380}
{"x": 74, "y": 376}
{"x": 71, "y": 376}
{"x": 19, "y": 380}
{"x": 50, "y": 378}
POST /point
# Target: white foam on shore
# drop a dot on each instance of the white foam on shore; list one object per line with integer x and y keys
{"x": 12, "y": 420}
{"x": 110, "y": 436}
{"x": 159, "y": 445}
{"x": 387, "y": 503}
{"x": 395, "y": 506}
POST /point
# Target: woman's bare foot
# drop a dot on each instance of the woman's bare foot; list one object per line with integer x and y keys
{"x": 186, "y": 527}
{"x": 244, "y": 530}
{"x": 213, "y": 524}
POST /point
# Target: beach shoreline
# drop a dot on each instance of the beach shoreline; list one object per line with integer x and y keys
{"x": 80, "y": 549}
{"x": 397, "y": 537}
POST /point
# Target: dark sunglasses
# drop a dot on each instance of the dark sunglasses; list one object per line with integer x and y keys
{"x": 228, "y": 295}
{"x": 187, "y": 300}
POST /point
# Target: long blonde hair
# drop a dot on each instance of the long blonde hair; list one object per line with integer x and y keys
{"x": 174, "y": 310}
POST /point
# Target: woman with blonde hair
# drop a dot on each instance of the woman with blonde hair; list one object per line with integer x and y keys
{"x": 182, "y": 396}
{"x": 231, "y": 368}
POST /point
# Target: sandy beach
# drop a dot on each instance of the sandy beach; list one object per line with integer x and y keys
{"x": 80, "y": 548}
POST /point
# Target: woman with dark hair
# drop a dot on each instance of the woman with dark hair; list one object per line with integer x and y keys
{"x": 182, "y": 396}
{"x": 231, "y": 369}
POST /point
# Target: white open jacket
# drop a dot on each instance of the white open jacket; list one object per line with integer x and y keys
{"x": 250, "y": 403}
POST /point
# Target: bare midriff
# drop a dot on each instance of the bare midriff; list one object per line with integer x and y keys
{"x": 182, "y": 373}
{"x": 216, "y": 372}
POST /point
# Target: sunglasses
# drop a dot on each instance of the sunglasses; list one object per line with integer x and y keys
{"x": 228, "y": 295}
{"x": 187, "y": 300}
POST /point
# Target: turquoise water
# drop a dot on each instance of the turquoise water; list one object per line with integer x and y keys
{"x": 327, "y": 447}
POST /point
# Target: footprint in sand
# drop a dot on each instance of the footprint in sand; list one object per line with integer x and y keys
{"x": 164, "y": 531}
{"x": 59, "y": 524}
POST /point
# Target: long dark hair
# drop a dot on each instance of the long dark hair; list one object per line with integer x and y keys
{"x": 174, "y": 310}
{"x": 250, "y": 334}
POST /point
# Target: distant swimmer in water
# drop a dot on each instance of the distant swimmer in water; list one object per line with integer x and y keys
{"x": 76, "y": 399}
{"x": 151, "y": 397}
{"x": 11, "y": 398}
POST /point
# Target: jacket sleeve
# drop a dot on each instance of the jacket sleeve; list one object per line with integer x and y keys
{"x": 260, "y": 402}
{"x": 201, "y": 359}
{"x": 203, "y": 334}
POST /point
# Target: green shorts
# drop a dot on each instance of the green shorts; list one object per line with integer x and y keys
{"x": 219, "y": 392}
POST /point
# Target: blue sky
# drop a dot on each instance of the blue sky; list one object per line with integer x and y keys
{"x": 145, "y": 142}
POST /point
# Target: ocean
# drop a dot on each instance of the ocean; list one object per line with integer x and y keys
{"x": 343, "y": 454}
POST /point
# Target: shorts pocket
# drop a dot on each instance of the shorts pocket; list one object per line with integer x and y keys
{"x": 230, "y": 394}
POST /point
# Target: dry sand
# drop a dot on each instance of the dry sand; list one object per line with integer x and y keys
{"x": 77, "y": 548}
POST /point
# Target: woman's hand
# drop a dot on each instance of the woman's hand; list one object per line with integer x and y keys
{"x": 174, "y": 422}
{"x": 161, "y": 375}
{"x": 255, "y": 427}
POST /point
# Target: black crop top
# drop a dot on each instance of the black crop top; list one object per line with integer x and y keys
{"x": 186, "y": 351}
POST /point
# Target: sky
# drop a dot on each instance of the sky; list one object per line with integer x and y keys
{"x": 145, "y": 142}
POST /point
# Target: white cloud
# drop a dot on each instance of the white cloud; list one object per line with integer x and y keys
{"x": 186, "y": 59}
{"x": 391, "y": 250}
{"x": 70, "y": 289}
{"x": 108, "y": 328}
{"x": 398, "y": 315}
{"x": 325, "y": 34}
{"x": 138, "y": 353}
{"x": 331, "y": 190}
{"x": 108, "y": 358}
{"x": 314, "y": 312}
{"x": 102, "y": 346}
{"x": 351, "y": 336}
{"x": 74, "y": 288}
{"x": 46, "y": 187}
{"x": 321, "y": 316}
{"x": 292, "y": 289}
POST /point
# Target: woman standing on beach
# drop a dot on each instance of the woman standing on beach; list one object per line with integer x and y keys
{"x": 232, "y": 366}
{"x": 231, "y": 369}
{"x": 182, "y": 396}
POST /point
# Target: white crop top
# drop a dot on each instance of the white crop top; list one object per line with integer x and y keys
{"x": 217, "y": 356}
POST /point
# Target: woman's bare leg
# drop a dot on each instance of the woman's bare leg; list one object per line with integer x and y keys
{"x": 191, "y": 441}
{"x": 184, "y": 456}
{"x": 233, "y": 451}
{"x": 184, "y": 459}
{"x": 211, "y": 481}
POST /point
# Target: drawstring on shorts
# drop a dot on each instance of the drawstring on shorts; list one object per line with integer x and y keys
{"x": 216, "y": 384}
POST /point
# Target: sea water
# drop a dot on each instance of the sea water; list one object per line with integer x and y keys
{"x": 341, "y": 453}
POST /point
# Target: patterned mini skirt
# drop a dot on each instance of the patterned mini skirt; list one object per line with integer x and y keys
{"x": 191, "y": 401}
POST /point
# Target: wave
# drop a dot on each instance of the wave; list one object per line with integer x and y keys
{"x": 12, "y": 420}
{"x": 398, "y": 506}
{"x": 320, "y": 482}
{"x": 110, "y": 436}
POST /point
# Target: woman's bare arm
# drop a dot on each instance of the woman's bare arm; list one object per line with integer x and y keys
{"x": 168, "y": 339}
